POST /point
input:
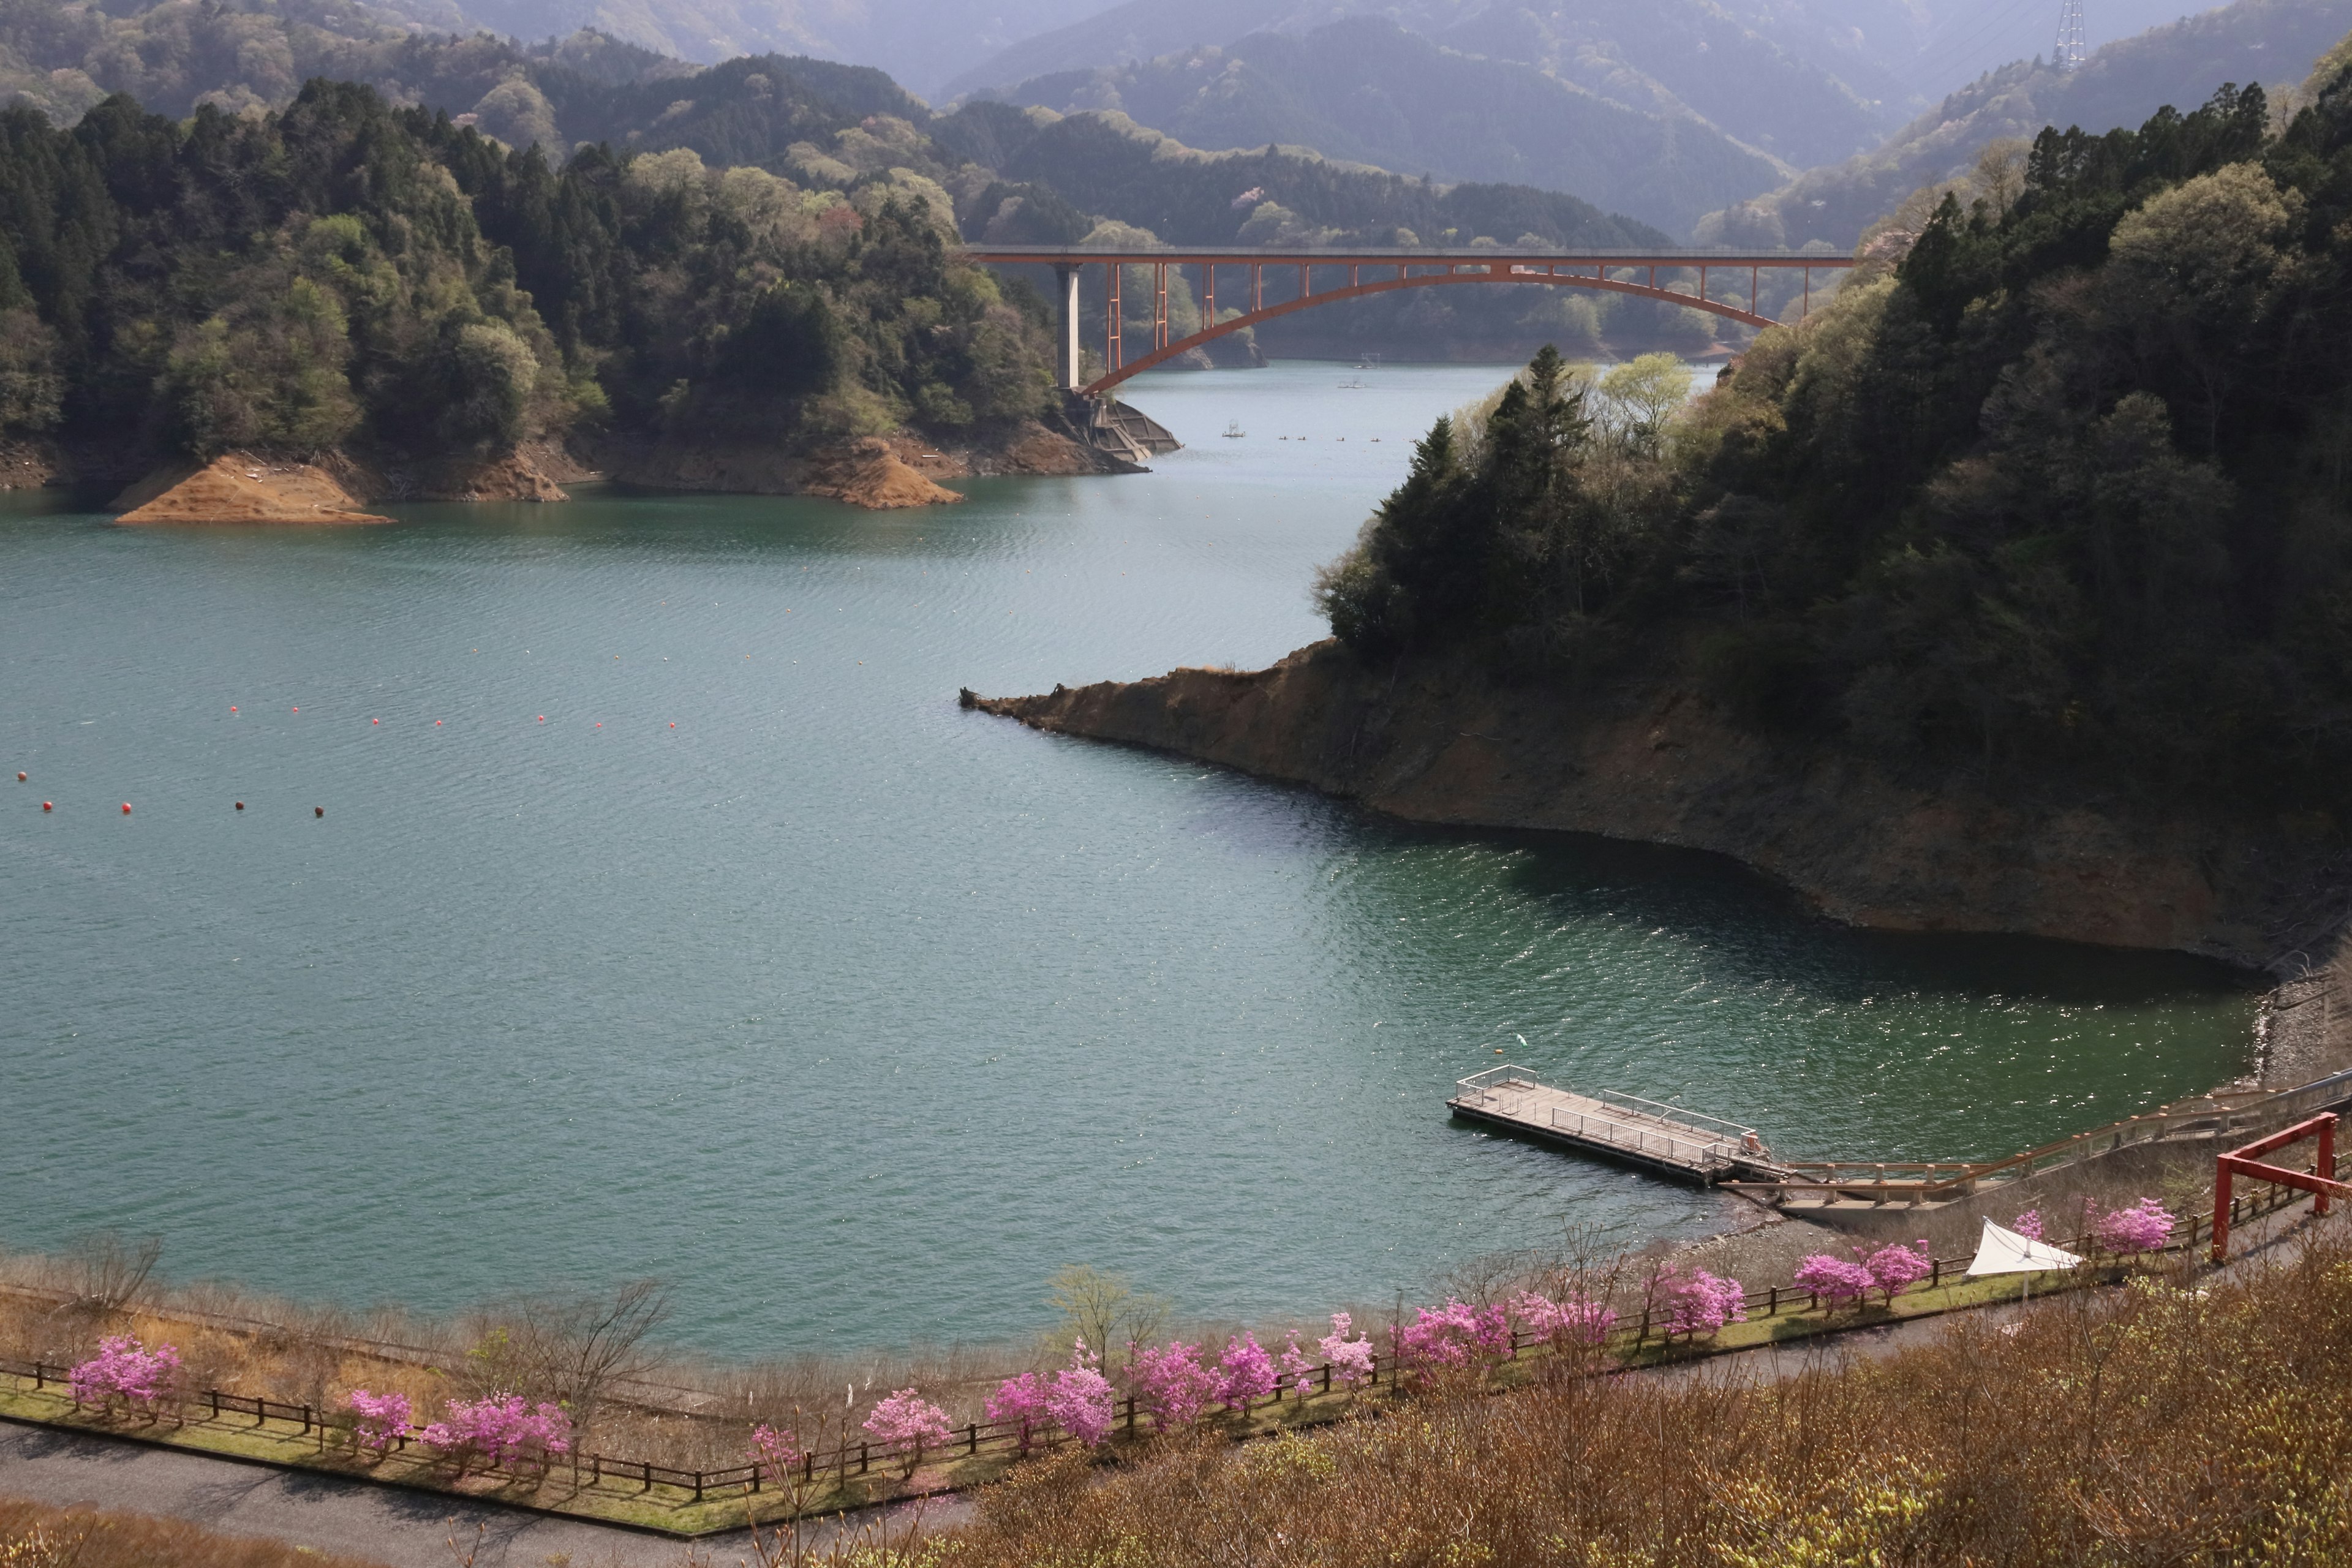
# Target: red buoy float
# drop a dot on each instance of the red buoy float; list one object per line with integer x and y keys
{"x": 240, "y": 805}
{"x": 318, "y": 811}
{"x": 45, "y": 805}
{"x": 126, "y": 808}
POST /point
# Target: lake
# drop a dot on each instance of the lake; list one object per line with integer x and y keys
{"x": 667, "y": 915}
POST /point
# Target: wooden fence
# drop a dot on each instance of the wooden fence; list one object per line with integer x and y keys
{"x": 992, "y": 1437}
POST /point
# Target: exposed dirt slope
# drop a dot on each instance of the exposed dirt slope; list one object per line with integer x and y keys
{"x": 240, "y": 488}
{"x": 1441, "y": 744}
{"x": 866, "y": 472}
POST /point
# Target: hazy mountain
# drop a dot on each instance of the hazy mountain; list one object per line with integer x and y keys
{"x": 1365, "y": 90}
{"x": 2274, "y": 42}
{"x": 920, "y": 43}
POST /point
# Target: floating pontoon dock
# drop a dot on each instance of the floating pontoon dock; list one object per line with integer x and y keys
{"x": 1663, "y": 1138}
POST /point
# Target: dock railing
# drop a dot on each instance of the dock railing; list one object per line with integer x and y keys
{"x": 1642, "y": 1140}
{"x": 1713, "y": 1142}
{"x": 2225, "y": 1117}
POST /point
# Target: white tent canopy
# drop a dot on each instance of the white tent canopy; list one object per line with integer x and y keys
{"x": 2006, "y": 1252}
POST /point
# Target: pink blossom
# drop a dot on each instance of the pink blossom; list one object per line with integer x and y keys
{"x": 1170, "y": 1382}
{"x": 126, "y": 1370}
{"x": 1574, "y": 1321}
{"x": 2145, "y": 1227}
{"x": 1896, "y": 1268}
{"x": 1081, "y": 1401}
{"x": 1454, "y": 1335}
{"x": 1701, "y": 1304}
{"x": 1351, "y": 1360}
{"x": 2028, "y": 1225}
{"x": 501, "y": 1429}
{"x": 1020, "y": 1402}
{"x": 1245, "y": 1372}
{"x": 1297, "y": 1370}
{"x": 382, "y": 1417}
{"x": 1835, "y": 1280}
{"x": 777, "y": 1454}
{"x": 907, "y": 1424}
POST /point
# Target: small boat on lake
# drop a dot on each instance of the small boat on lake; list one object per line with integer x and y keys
{"x": 1234, "y": 431}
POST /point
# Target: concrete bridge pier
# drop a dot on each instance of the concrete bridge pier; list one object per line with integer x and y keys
{"x": 1066, "y": 274}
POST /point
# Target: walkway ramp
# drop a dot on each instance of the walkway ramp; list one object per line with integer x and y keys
{"x": 1624, "y": 1127}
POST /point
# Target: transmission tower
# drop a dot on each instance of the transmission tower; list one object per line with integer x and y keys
{"x": 2070, "y": 36}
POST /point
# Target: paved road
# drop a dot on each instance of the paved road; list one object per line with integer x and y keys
{"x": 398, "y": 1529}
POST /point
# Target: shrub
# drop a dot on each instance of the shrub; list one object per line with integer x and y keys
{"x": 1170, "y": 1382}
{"x": 1245, "y": 1372}
{"x": 1453, "y": 1335}
{"x": 2145, "y": 1227}
{"x": 125, "y": 1370}
{"x": 382, "y": 1418}
{"x": 1699, "y": 1305}
{"x": 1896, "y": 1268}
{"x": 501, "y": 1429}
{"x": 777, "y": 1454}
{"x": 1081, "y": 1401}
{"x": 1019, "y": 1402}
{"x": 1573, "y": 1321}
{"x": 1835, "y": 1280}
{"x": 1351, "y": 1360}
{"x": 907, "y": 1424}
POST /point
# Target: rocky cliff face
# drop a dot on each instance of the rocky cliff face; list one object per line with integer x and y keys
{"x": 1441, "y": 744}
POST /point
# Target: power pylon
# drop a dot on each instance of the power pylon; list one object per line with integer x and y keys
{"x": 2070, "y": 36}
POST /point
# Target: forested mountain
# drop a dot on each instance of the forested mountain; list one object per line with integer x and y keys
{"x": 2274, "y": 42}
{"x": 1687, "y": 59}
{"x": 349, "y": 275}
{"x": 2056, "y": 501}
{"x": 1368, "y": 90}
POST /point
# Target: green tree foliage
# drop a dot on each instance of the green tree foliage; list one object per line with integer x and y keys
{"x": 345, "y": 271}
{"x": 2065, "y": 488}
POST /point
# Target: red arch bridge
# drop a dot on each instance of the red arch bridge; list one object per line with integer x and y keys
{"x": 1369, "y": 272}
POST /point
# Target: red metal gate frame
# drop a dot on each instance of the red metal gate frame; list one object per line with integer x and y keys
{"x": 2246, "y": 1161}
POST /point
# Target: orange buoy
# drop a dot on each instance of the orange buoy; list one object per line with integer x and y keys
{"x": 232, "y": 708}
{"x": 318, "y": 811}
{"x": 126, "y": 808}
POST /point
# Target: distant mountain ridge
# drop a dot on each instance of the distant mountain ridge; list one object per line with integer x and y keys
{"x": 2274, "y": 42}
{"x": 1365, "y": 90}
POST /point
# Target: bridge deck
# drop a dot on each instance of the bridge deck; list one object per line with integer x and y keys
{"x": 1658, "y": 1137}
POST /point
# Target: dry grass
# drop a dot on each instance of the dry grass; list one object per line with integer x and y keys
{"x": 34, "y": 1536}
{"x": 2164, "y": 1423}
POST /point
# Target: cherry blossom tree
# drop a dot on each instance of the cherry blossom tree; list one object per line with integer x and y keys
{"x": 127, "y": 1370}
{"x": 1170, "y": 1382}
{"x": 1245, "y": 1372}
{"x": 382, "y": 1418}
{"x": 907, "y": 1425}
{"x": 1351, "y": 1360}
{"x": 2146, "y": 1226}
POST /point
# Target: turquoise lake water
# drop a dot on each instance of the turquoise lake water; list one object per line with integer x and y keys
{"x": 852, "y": 1014}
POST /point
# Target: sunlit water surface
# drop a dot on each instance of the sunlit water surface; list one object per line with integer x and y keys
{"x": 756, "y": 965}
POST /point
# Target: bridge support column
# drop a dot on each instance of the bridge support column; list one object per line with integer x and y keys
{"x": 1073, "y": 376}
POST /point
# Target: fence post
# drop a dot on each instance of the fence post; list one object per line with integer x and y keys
{"x": 808, "y": 1466}
{"x": 215, "y": 1397}
{"x": 1772, "y": 1310}
{"x": 1130, "y": 1413}
{"x": 38, "y": 1380}
{"x": 971, "y": 1438}
{"x": 865, "y": 1455}
{"x": 698, "y": 1486}
{"x": 306, "y": 1419}
{"x": 648, "y": 1470}
{"x": 595, "y": 1468}
{"x": 1327, "y": 1377}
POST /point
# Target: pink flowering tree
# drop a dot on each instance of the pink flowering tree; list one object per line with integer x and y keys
{"x": 380, "y": 1419}
{"x": 1298, "y": 1370}
{"x": 1574, "y": 1322}
{"x": 777, "y": 1454}
{"x": 1838, "y": 1281}
{"x": 1082, "y": 1402}
{"x": 1896, "y": 1269}
{"x": 125, "y": 1373}
{"x": 1170, "y": 1382}
{"x": 2146, "y": 1226}
{"x": 1245, "y": 1372}
{"x": 2028, "y": 1225}
{"x": 1351, "y": 1360}
{"x": 1457, "y": 1335}
{"x": 907, "y": 1425}
{"x": 1020, "y": 1402}
{"x": 1700, "y": 1304}
{"x": 502, "y": 1430}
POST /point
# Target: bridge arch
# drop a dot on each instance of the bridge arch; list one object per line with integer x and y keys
{"x": 1410, "y": 269}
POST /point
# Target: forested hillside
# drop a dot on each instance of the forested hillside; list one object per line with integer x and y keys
{"x": 2059, "y": 499}
{"x": 2273, "y": 42}
{"x": 349, "y": 275}
{"x": 1368, "y": 90}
